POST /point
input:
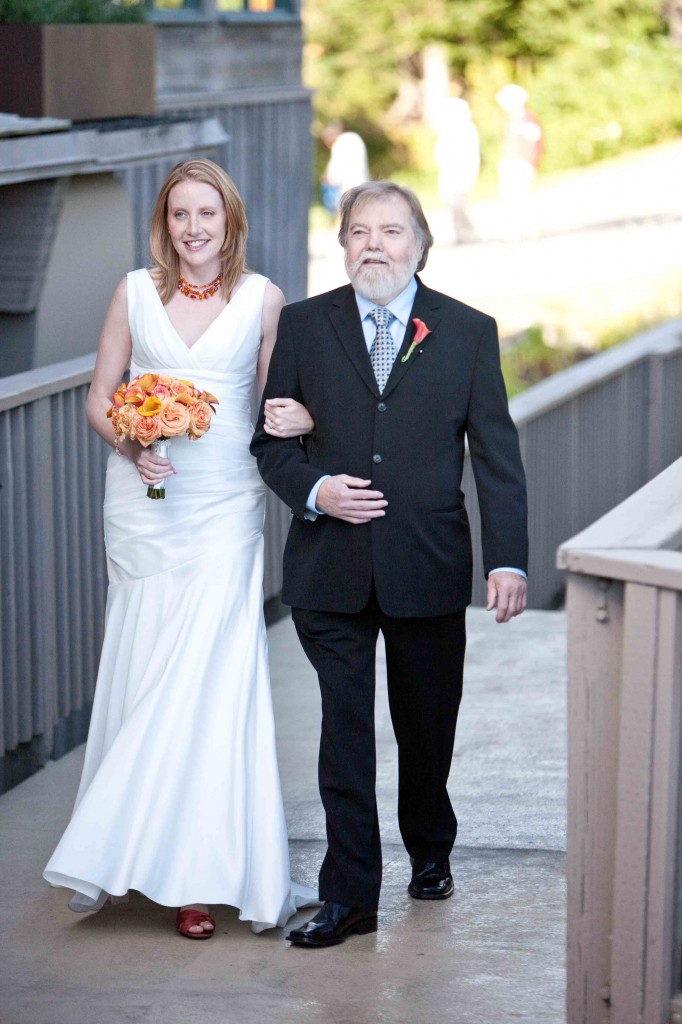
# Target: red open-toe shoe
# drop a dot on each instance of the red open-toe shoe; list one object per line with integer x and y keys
{"x": 187, "y": 919}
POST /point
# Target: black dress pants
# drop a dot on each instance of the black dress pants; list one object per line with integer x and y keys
{"x": 425, "y": 658}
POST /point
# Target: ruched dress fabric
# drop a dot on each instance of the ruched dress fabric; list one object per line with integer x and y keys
{"x": 180, "y": 794}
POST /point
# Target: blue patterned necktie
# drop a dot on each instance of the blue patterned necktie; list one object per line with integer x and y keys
{"x": 382, "y": 352}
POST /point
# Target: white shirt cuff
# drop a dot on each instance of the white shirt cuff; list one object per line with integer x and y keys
{"x": 311, "y": 509}
{"x": 508, "y": 568}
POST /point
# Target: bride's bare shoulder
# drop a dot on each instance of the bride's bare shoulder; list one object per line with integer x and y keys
{"x": 273, "y": 297}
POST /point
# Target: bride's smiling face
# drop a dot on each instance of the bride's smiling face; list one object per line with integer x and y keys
{"x": 197, "y": 224}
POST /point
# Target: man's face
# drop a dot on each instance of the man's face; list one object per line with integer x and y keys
{"x": 382, "y": 251}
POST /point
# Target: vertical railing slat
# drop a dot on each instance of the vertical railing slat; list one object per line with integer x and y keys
{"x": 633, "y": 802}
{"x": 663, "y": 842}
{"x": 45, "y": 585}
{"x": 594, "y": 662}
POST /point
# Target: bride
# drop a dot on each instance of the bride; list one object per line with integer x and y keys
{"x": 180, "y": 794}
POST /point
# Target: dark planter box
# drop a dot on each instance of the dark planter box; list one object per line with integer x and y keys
{"x": 81, "y": 72}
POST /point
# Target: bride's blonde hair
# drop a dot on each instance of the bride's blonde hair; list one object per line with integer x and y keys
{"x": 233, "y": 251}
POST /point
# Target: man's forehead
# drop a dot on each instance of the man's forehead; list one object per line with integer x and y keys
{"x": 390, "y": 210}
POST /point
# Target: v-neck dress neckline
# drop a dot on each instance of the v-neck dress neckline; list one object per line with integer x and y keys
{"x": 203, "y": 334}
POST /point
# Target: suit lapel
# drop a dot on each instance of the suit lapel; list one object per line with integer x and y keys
{"x": 426, "y": 306}
{"x": 345, "y": 317}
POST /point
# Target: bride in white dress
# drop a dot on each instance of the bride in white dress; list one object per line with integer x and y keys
{"x": 180, "y": 794}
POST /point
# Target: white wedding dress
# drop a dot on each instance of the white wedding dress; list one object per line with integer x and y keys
{"x": 180, "y": 795}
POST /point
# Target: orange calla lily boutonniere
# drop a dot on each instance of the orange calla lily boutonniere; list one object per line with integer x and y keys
{"x": 421, "y": 332}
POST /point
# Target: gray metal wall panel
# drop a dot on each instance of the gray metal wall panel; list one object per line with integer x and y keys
{"x": 28, "y": 219}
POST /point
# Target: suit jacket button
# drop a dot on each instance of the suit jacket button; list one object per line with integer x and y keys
{"x": 376, "y": 458}
{"x": 381, "y": 407}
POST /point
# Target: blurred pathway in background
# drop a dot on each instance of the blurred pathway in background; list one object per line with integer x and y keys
{"x": 604, "y": 248}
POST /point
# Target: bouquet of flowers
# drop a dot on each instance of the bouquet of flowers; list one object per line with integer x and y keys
{"x": 154, "y": 408}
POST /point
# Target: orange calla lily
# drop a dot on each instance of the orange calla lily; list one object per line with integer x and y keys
{"x": 147, "y": 381}
{"x": 210, "y": 399}
{"x": 150, "y": 406}
{"x": 420, "y": 333}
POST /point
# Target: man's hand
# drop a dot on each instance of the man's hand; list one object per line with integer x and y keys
{"x": 507, "y": 593}
{"x": 345, "y": 497}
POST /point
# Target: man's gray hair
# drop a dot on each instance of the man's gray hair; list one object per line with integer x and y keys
{"x": 376, "y": 190}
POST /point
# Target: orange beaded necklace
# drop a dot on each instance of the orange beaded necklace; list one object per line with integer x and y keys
{"x": 199, "y": 291}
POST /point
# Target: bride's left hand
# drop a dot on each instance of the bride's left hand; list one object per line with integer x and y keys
{"x": 285, "y": 417}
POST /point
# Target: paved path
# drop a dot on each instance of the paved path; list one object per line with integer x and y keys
{"x": 493, "y": 953}
{"x": 604, "y": 249}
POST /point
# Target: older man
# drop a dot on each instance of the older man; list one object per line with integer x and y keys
{"x": 395, "y": 376}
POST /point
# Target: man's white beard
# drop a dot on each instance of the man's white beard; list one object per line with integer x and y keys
{"x": 380, "y": 283}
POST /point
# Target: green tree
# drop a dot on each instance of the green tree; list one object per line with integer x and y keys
{"x": 603, "y": 74}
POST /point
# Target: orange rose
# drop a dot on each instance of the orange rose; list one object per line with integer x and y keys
{"x": 150, "y": 406}
{"x": 145, "y": 429}
{"x": 162, "y": 391}
{"x": 183, "y": 390}
{"x": 173, "y": 419}
{"x": 135, "y": 394}
{"x": 124, "y": 420}
{"x": 199, "y": 419}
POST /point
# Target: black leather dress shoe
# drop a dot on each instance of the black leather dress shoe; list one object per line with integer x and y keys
{"x": 431, "y": 880}
{"x": 332, "y": 924}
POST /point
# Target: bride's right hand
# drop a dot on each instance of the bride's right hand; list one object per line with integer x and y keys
{"x": 153, "y": 469}
{"x": 285, "y": 417}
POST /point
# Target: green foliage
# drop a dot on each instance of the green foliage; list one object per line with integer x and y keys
{"x": 528, "y": 360}
{"x": 608, "y": 97}
{"x": 603, "y": 75}
{"x": 14, "y": 12}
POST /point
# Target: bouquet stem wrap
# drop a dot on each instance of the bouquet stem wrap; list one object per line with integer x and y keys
{"x": 162, "y": 448}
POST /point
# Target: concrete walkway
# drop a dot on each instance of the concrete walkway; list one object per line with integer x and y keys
{"x": 493, "y": 953}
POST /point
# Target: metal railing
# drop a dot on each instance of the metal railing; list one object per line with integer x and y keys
{"x": 590, "y": 436}
{"x": 624, "y": 717}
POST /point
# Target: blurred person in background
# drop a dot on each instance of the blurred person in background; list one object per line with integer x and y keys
{"x": 348, "y": 165}
{"x": 458, "y": 158}
{"x": 522, "y": 148}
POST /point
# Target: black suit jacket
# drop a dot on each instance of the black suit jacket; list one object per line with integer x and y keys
{"x": 409, "y": 442}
